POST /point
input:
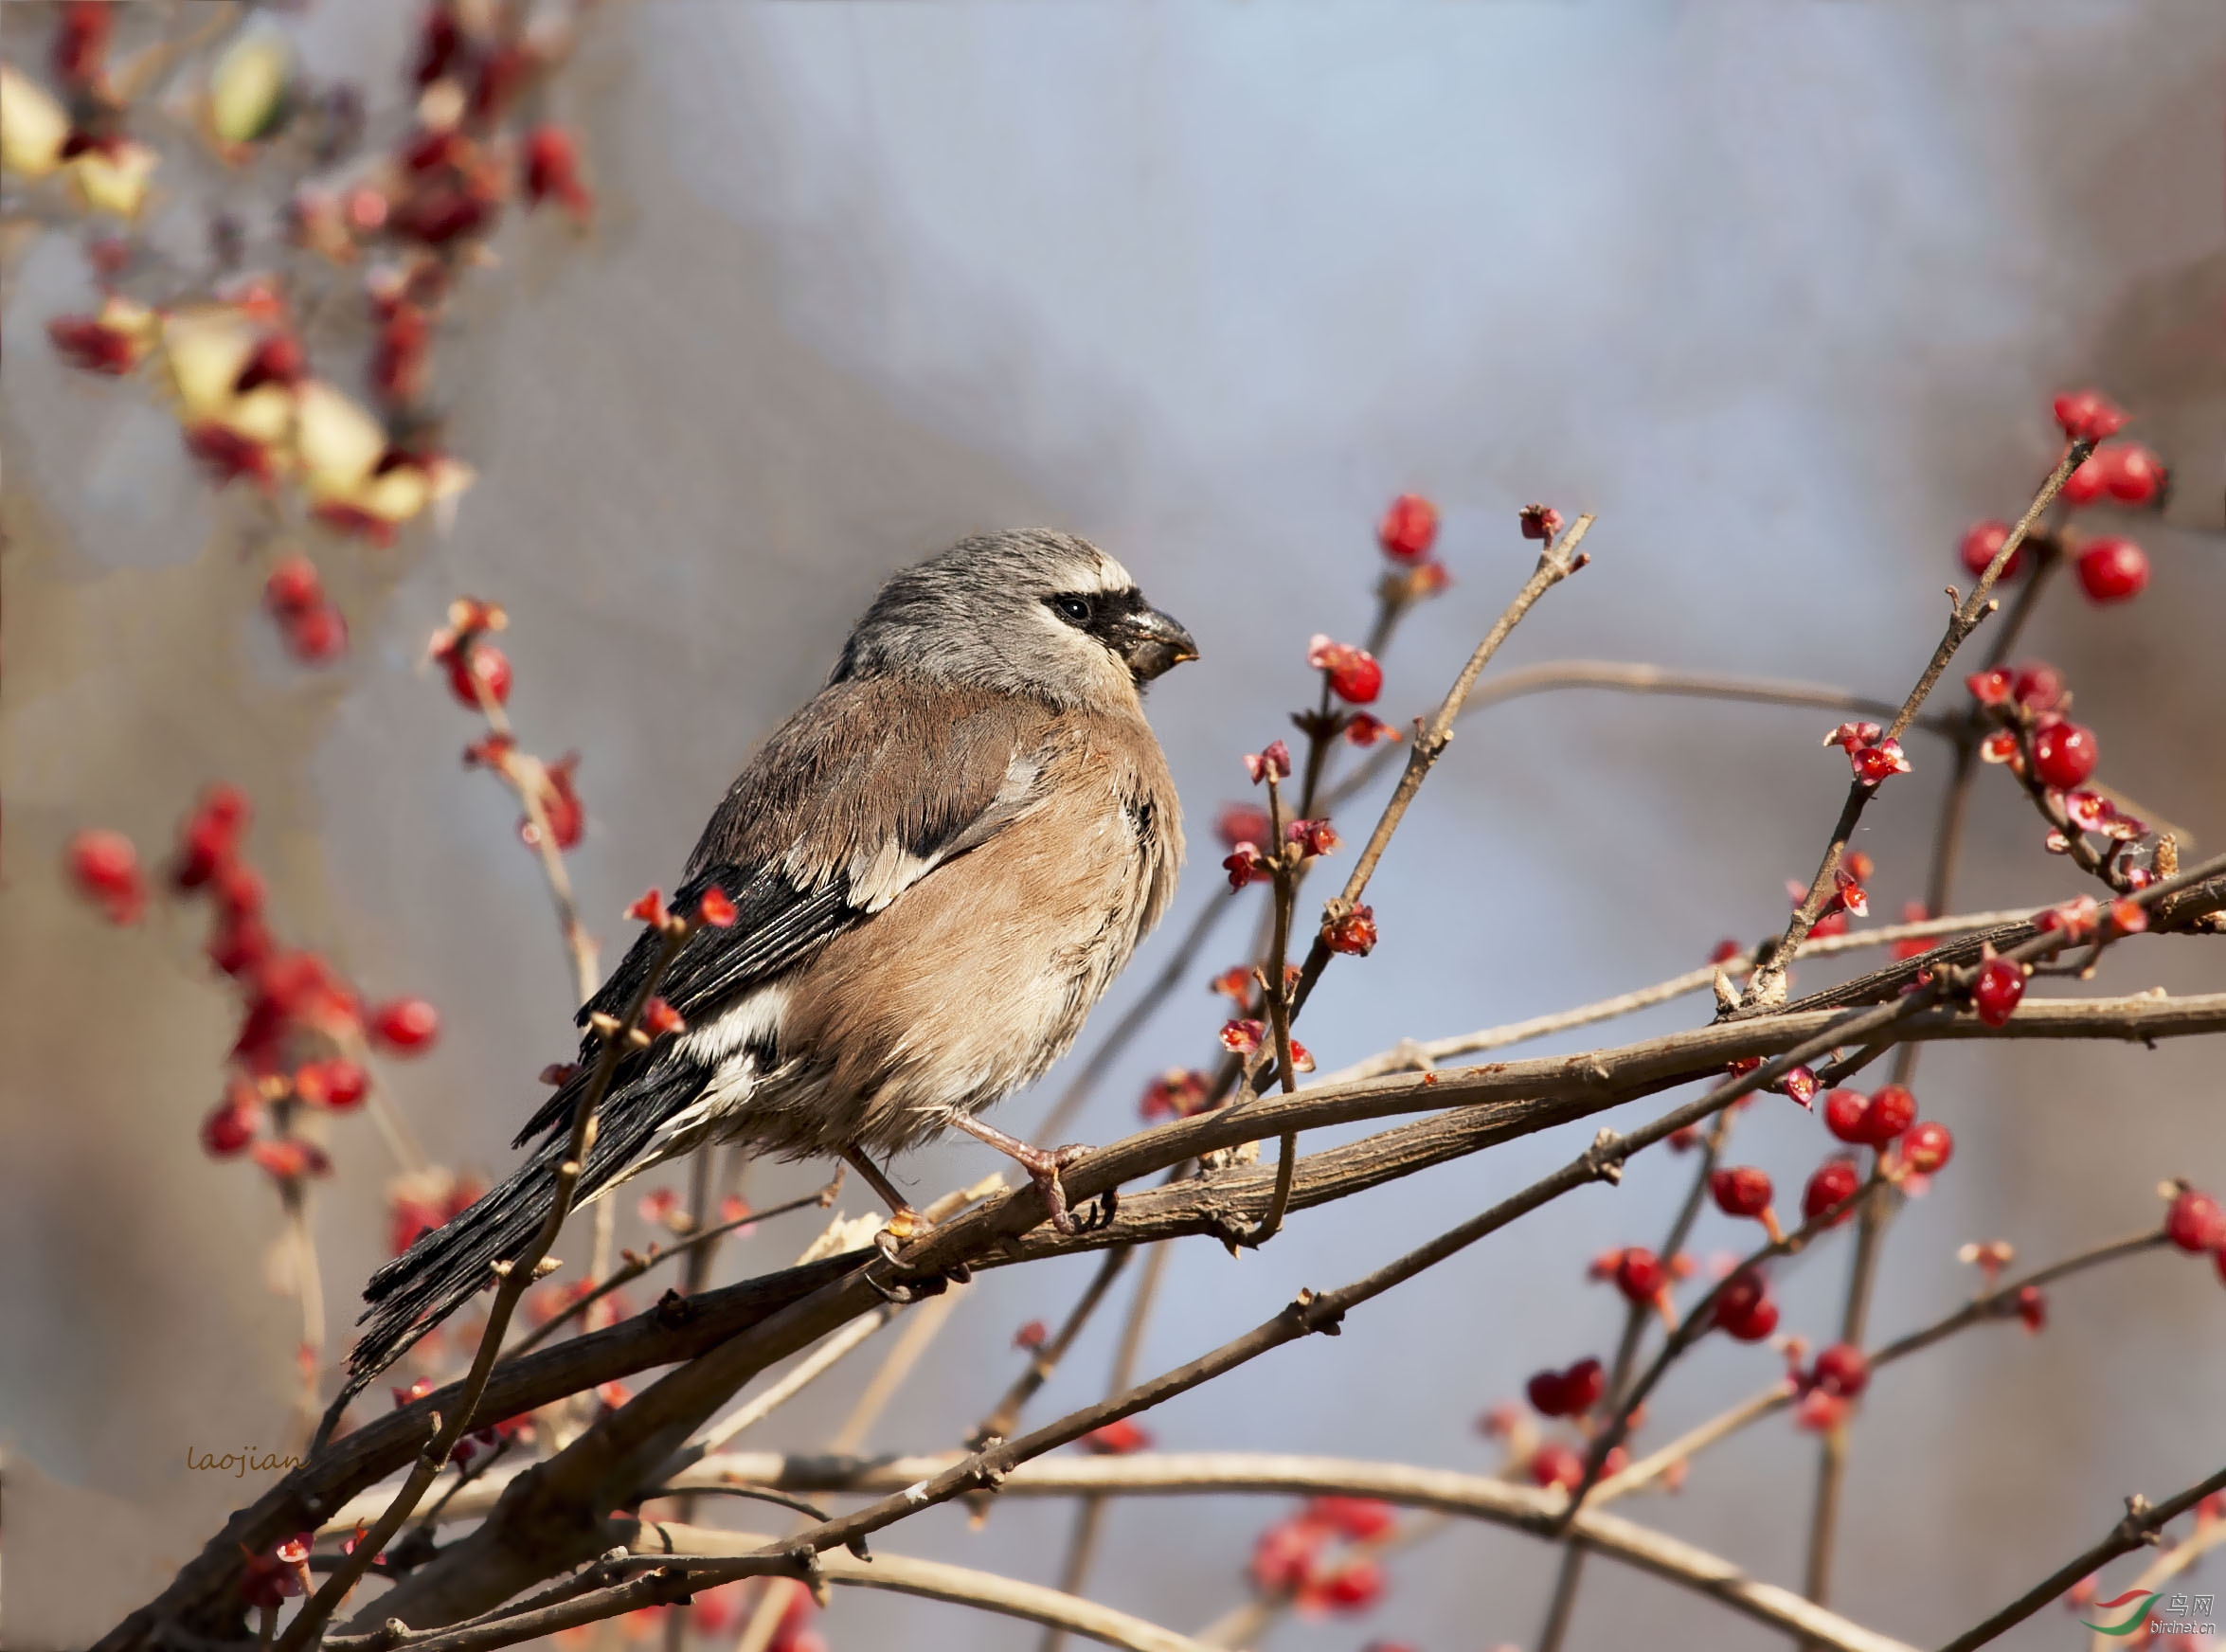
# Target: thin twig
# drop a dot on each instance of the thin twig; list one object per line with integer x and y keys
{"x": 2141, "y": 1525}
{"x": 1082, "y": 1545}
{"x": 1768, "y": 988}
{"x": 1005, "y": 1415}
{"x": 1877, "y": 1211}
{"x": 514, "y": 1277}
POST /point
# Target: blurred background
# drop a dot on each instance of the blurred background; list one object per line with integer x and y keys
{"x": 1780, "y": 291}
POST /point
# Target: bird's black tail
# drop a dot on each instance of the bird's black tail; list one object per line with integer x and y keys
{"x": 428, "y": 1282}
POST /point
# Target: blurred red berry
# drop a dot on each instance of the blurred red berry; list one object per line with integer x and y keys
{"x": 1981, "y": 543}
{"x": 1567, "y": 1393}
{"x": 405, "y": 1025}
{"x": 1032, "y": 1336}
{"x": 229, "y": 1126}
{"x": 92, "y": 348}
{"x": 318, "y": 636}
{"x": 1365, "y": 730}
{"x": 1355, "y": 1586}
{"x": 1740, "y": 1189}
{"x": 1639, "y": 1274}
{"x": 105, "y": 868}
{"x": 2032, "y": 1308}
{"x": 80, "y": 40}
{"x": 227, "y": 456}
{"x": 293, "y": 586}
{"x": 1891, "y": 1111}
{"x": 561, "y": 807}
{"x": 1354, "y": 674}
{"x": 1177, "y": 1093}
{"x": 552, "y": 169}
{"x": 715, "y": 908}
{"x": 1743, "y": 1307}
{"x": 486, "y": 662}
{"x": 1843, "y": 1113}
{"x": 2195, "y": 1223}
{"x": 2036, "y": 686}
{"x": 289, "y": 1159}
{"x": 2084, "y": 486}
{"x": 2112, "y": 570}
{"x": 1554, "y": 1463}
{"x": 1843, "y": 1371}
{"x": 1408, "y": 529}
{"x": 210, "y": 835}
{"x": 1361, "y": 1520}
{"x": 658, "y": 1018}
{"x": 1927, "y": 1147}
{"x": 2089, "y": 416}
{"x": 336, "y": 1082}
{"x": 2132, "y": 474}
{"x": 1242, "y": 823}
{"x": 397, "y": 369}
{"x": 277, "y": 360}
{"x": 648, "y": 908}
{"x": 1116, "y": 1439}
{"x": 1314, "y": 838}
{"x": 1833, "y": 1182}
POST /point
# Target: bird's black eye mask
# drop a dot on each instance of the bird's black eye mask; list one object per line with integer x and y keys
{"x": 1108, "y": 615}
{"x": 1137, "y": 634}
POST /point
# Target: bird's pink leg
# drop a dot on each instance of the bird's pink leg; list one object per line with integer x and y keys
{"x": 1043, "y": 1164}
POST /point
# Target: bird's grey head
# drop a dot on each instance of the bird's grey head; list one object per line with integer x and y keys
{"x": 1031, "y": 612}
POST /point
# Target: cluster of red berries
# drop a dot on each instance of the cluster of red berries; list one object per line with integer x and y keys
{"x": 314, "y": 630}
{"x": 301, "y": 1021}
{"x": 1308, "y": 1558}
{"x": 1177, "y": 1093}
{"x": 1245, "y": 1037}
{"x": 717, "y": 1614}
{"x": 2109, "y": 569}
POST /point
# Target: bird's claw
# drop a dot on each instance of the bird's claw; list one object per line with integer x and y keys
{"x": 1043, "y": 1169}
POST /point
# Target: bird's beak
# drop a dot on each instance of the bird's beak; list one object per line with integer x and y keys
{"x": 1153, "y": 644}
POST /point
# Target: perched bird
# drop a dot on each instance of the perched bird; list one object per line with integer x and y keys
{"x": 937, "y": 866}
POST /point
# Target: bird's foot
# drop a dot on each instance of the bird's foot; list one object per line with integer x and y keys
{"x": 904, "y": 1225}
{"x": 1044, "y": 1166}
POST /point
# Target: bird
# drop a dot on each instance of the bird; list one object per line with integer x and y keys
{"x": 937, "y": 866}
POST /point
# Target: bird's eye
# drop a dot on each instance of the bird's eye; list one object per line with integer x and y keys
{"x": 1074, "y": 610}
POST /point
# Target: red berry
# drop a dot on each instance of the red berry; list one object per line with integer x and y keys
{"x": 1891, "y": 1112}
{"x": 294, "y": 586}
{"x": 2032, "y": 1308}
{"x": 715, "y": 908}
{"x": 228, "y": 1129}
{"x": 2085, "y": 485}
{"x": 2064, "y": 754}
{"x": 210, "y": 835}
{"x": 489, "y": 664}
{"x": 1842, "y": 1370}
{"x": 105, "y": 868}
{"x": 1741, "y": 1189}
{"x": 2089, "y": 416}
{"x": 2037, "y": 686}
{"x": 1981, "y": 543}
{"x": 1927, "y": 1147}
{"x": 339, "y": 1084}
{"x": 407, "y": 1025}
{"x": 2195, "y": 1223}
{"x": 1639, "y": 1274}
{"x": 2133, "y": 475}
{"x": 1356, "y": 1517}
{"x": 2112, "y": 570}
{"x": 1843, "y": 1114}
{"x": 1355, "y": 1586}
{"x": 1354, "y": 934}
{"x": 1554, "y": 1463}
{"x": 1408, "y": 529}
{"x": 1833, "y": 1182}
{"x": 318, "y": 636}
{"x": 2000, "y": 984}
{"x": 1116, "y": 1439}
{"x": 1744, "y": 1309}
{"x": 1358, "y": 680}
{"x": 1242, "y": 823}
{"x": 1567, "y": 1393}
